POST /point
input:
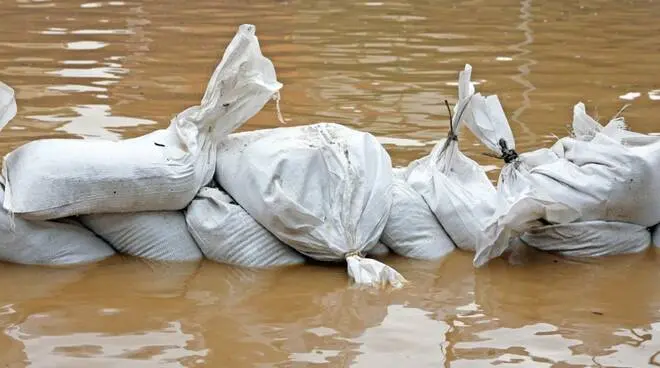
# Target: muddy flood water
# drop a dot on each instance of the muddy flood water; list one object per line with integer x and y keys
{"x": 113, "y": 69}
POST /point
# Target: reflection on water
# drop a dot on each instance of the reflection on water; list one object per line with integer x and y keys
{"x": 163, "y": 348}
{"x": 407, "y": 336}
{"x": 213, "y": 315}
{"x": 112, "y": 69}
{"x": 524, "y": 55}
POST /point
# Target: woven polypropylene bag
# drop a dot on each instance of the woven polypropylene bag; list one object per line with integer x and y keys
{"x": 323, "y": 189}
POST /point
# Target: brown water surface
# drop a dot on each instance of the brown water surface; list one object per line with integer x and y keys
{"x": 113, "y": 69}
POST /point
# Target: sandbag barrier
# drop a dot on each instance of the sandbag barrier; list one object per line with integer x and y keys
{"x": 276, "y": 197}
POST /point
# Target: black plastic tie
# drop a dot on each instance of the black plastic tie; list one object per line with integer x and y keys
{"x": 508, "y": 155}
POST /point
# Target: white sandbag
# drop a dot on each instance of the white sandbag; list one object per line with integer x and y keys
{"x": 322, "y": 189}
{"x": 604, "y": 180}
{"x": 56, "y": 178}
{"x": 226, "y": 233}
{"x": 484, "y": 116}
{"x": 162, "y": 170}
{"x": 637, "y": 146}
{"x": 656, "y": 235}
{"x": 52, "y": 243}
{"x": 154, "y": 235}
{"x": 589, "y": 238}
{"x": 646, "y": 147}
{"x": 7, "y": 104}
{"x": 593, "y": 177}
{"x": 455, "y": 187}
{"x": 411, "y": 229}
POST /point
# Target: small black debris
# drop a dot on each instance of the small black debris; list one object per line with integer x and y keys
{"x": 159, "y": 144}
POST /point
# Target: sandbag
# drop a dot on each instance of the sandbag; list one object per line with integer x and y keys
{"x": 154, "y": 235}
{"x": 621, "y": 166}
{"x": 411, "y": 229}
{"x": 323, "y": 189}
{"x": 646, "y": 147}
{"x": 603, "y": 180}
{"x": 656, "y": 235}
{"x": 455, "y": 187}
{"x": 515, "y": 193}
{"x": 160, "y": 171}
{"x": 56, "y": 178}
{"x": 485, "y": 118}
{"x": 592, "y": 176}
{"x": 589, "y": 238}
{"x": 52, "y": 243}
{"x": 226, "y": 233}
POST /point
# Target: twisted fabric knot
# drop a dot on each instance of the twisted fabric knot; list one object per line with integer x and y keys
{"x": 353, "y": 253}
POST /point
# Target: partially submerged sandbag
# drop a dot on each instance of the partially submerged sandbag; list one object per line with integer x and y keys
{"x": 603, "y": 180}
{"x": 52, "y": 243}
{"x": 226, "y": 233}
{"x": 154, "y": 235}
{"x": 411, "y": 229}
{"x": 589, "y": 238}
{"x": 592, "y": 176}
{"x": 485, "y": 118}
{"x": 645, "y": 147}
{"x": 323, "y": 189}
{"x": 160, "y": 171}
{"x": 454, "y": 186}
{"x": 55, "y": 178}
{"x": 613, "y": 176}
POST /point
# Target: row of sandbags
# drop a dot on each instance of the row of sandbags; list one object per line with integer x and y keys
{"x": 591, "y": 194}
{"x": 70, "y": 201}
{"x": 327, "y": 192}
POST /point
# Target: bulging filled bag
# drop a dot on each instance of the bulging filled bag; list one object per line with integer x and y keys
{"x": 52, "y": 243}
{"x": 455, "y": 187}
{"x": 604, "y": 179}
{"x": 411, "y": 229}
{"x": 589, "y": 238}
{"x": 153, "y": 235}
{"x": 592, "y": 176}
{"x": 160, "y": 171}
{"x": 55, "y": 178}
{"x": 226, "y": 233}
{"x": 323, "y": 189}
{"x": 485, "y": 118}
